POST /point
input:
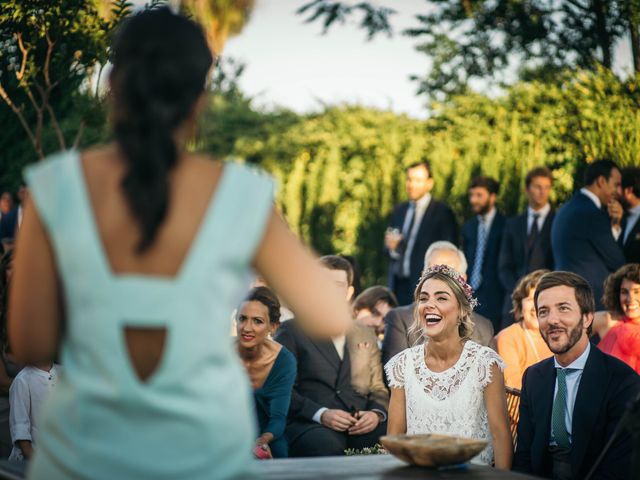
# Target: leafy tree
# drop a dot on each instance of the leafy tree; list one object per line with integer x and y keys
{"x": 221, "y": 19}
{"x": 48, "y": 49}
{"x": 468, "y": 40}
{"x": 373, "y": 19}
{"x": 341, "y": 171}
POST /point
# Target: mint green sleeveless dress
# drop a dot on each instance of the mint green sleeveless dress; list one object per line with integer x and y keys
{"x": 193, "y": 418}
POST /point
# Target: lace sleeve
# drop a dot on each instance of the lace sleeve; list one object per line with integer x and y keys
{"x": 486, "y": 358}
{"x": 395, "y": 368}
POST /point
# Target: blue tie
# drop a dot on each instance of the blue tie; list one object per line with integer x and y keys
{"x": 558, "y": 424}
{"x": 476, "y": 272}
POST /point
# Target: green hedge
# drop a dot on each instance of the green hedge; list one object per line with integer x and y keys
{"x": 342, "y": 171}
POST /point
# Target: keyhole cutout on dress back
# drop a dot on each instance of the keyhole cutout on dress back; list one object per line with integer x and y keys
{"x": 145, "y": 346}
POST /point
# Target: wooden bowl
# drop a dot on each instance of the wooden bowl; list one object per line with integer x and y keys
{"x": 432, "y": 450}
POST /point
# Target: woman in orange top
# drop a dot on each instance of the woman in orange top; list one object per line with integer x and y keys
{"x": 622, "y": 299}
{"x": 521, "y": 345}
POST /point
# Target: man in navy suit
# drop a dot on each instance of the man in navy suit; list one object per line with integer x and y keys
{"x": 571, "y": 403}
{"x": 583, "y": 235}
{"x": 481, "y": 239}
{"x": 630, "y": 237}
{"x": 526, "y": 242}
{"x": 413, "y": 226}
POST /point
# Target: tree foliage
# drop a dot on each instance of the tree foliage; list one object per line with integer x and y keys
{"x": 486, "y": 39}
{"x": 342, "y": 171}
{"x": 221, "y": 19}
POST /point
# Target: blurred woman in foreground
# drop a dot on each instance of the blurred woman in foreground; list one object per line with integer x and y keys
{"x": 130, "y": 258}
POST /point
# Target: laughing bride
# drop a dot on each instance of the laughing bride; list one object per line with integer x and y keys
{"x": 450, "y": 384}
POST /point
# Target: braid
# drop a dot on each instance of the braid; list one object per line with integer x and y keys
{"x": 160, "y": 65}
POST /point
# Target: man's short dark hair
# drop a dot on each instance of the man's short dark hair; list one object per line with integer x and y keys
{"x": 488, "y": 183}
{"x": 581, "y": 288}
{"x": 597, "y": 169}
{"x": 631, "y": 178}
{"x": 423, "y": 163}
{"x": 537, "y": 172}
{"x": 334, "y": 262}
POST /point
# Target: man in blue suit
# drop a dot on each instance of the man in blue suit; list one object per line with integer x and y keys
{"x": 583, "y": 235}
{"x": 526, "y": 243}
{"x": 572, "y": 403}
{"x": 481, "y": 239}
{"x": 413, "y": 227}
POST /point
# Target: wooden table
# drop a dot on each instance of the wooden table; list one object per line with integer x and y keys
{"x": 370, "y": 467}
{"x": 373, "y": 467}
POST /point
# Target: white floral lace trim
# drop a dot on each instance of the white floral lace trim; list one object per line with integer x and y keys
{"x": 449, "y": 402}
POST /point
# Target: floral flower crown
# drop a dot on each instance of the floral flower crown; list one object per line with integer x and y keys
{"x": 454, "y": 275}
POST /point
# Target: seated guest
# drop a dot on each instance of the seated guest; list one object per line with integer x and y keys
{"x": 571, "y": 403}
{"x": 450, "y": 385}
{"x": 370, "y": 307}
{"x": 521, "y": 345}
{"x": 27, "y": 395}
{"x": 339, "y": 400}
{"x": 270, "y": 366}
{"x": 622, "y": 299}
{"x": 397, "y": 334}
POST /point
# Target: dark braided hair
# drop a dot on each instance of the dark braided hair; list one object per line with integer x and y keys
{"x": 160, "y": 66}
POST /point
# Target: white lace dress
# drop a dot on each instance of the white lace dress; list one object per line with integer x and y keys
{"x": 449, "y": 402}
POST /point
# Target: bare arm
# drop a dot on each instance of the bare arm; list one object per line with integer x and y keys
{"x": 34, "y": 299}
{"x": 320, "y": 308}
{"x": 510, "y": 352}
{"x": 496, "y": 403}
{"x": 397, "y": 418}
{"x": 602, "y": 322}
{"x": 27, "y": 448}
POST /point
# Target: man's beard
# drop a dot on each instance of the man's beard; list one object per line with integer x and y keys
{"x": 482, "y": 209}
{"x": 573, "y": 337}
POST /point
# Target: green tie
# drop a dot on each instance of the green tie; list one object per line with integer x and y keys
{"x": 559, "y": 407}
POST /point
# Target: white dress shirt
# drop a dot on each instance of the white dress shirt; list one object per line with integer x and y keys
{"x": 542, "y": 216}
{"x": 573, "y": 382}
{"x": 421, "y": 206}
{"x": 487, "y": 219}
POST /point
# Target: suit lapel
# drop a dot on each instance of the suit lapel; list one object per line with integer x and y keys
{"x": 634, "y": 231}
{"x": 344, "y": 369}
{"x": 328, "y": 351}
{"x": 545, "y": 395}
{"x": 588, "y": 400}
{"x": 522, "y": 234}
{"x": 543, "y": 398}
{"x": 473, "y": 244}
{"x": 546, "y": 226}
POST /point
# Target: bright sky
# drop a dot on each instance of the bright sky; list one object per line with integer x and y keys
{"x": 290, "y": 63}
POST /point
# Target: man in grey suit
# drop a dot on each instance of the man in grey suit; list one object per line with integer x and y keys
{"x": 397, "y": 333}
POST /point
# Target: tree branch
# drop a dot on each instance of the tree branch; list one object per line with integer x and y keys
{"x": 23, "y": 122}
{"x": 25, "y": 52}
{"x": 76, "y": 141}
{"x": 47, "y": 60}
{"x": 56, "y": 126}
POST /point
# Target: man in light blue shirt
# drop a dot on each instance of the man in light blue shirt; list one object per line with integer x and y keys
{"x": 572, "y": 402}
